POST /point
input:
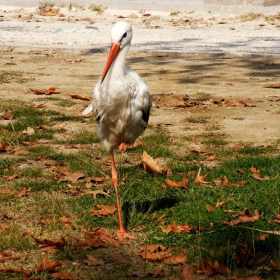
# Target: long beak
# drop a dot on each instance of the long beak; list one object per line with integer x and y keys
{"x": 112, "y": 55}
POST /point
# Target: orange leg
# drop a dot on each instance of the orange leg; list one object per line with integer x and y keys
{"x": 122, "y": 233}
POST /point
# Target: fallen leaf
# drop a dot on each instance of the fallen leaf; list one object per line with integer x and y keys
{"x": 80, "y": 97}
{"x": 223, "y": 181}
{"x": 11, "y": 177}
{"x": 93, "y": 261}
{"x": 272, "y": 86}
{"x": 175, "y": 184}
{"x": 49, "y": 91}
{"x": 155, "y": 252}
{"x": 220, "y": 204}
{"x": 200, "y": 180}
{"x": 104, "y": 210}
{"x": 63, "y": 275}
{"x": 244, "y": 218}
{"x": 8, "y": 115}
{"x": 152, "y": 165}
{"x": 209, "y": 208}
{"x": 198, "y": 150}
{"x": 138, "y": 228}
{"x": 100, "y": 192}
{"x": 179, "y": 259}
{"x": 58, "y": 126}
{"x": 119, "y": 258}
{"x": 211, "y": 158}
{"x": 180, "y": 228}
{"x": 28, "y": 131}
{"x": 23, "y": 192}
{"x": 21, "y": 152}
{"x": 186, "y": 273}
{"x": 256, "y": 173}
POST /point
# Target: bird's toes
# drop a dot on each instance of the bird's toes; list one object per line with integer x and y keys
{"x": 123, "y": 147}
{"x": 123, "y": 234}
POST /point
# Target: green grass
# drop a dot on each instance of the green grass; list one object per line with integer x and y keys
{"x": 142, "y": 196}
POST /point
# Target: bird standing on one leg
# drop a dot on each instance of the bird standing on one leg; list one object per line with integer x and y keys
{"x": 121, "y": 103}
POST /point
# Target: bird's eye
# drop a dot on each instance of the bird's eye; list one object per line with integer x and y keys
{"x": 124, "y": 36}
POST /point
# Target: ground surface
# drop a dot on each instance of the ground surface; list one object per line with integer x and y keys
{"x": 209, "y": 73}
{"x": 228, "y": 91}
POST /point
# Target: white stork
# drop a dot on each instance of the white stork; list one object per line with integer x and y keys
{"x": 121, "y": 104}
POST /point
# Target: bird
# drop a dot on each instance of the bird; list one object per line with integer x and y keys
{"x": 121, "y": 104}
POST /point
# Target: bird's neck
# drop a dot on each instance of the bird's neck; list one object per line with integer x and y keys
{"x": 117, "y": 69}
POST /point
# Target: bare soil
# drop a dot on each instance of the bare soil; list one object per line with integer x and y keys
{"x": 229, "y": 92}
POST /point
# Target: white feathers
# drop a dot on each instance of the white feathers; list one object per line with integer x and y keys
{"x": 122, "y": 102}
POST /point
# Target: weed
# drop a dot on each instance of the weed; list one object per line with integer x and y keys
{"x": 197, "y": 119}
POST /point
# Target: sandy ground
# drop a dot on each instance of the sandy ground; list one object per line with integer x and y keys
{"x": 196, "y": 64}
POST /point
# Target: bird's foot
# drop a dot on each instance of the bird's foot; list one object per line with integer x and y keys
{"x": 123, "y": 147}
{"x": 122, "y": 234}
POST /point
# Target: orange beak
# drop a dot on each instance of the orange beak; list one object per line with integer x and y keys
{"x": 112, "y": 55}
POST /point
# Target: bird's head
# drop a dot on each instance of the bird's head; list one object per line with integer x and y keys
{"x": 121, "y": 35}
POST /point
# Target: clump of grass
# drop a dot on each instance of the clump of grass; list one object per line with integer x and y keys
{"x": 197, "y": 119}
{"x": 174, "y": 14}
{"x": 13, "y": 77}
{"x": 99, "y": 9}
{"x": 251, "y": 16}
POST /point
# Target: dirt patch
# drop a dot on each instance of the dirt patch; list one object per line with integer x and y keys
{"x": 228, "y": 91}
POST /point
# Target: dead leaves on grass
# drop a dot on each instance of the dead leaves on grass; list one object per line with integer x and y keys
{"x": 152, "y": 165}
{"x": 45, "y": 266}
{"x": 49, "y": 91}
{"x": 245, "y": 216}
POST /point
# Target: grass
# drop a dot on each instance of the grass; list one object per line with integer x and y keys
{"x": 142, "y": 197}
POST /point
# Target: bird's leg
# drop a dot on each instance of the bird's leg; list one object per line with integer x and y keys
{"x": 123, "y": 147}
{"x": 122, "y": 233}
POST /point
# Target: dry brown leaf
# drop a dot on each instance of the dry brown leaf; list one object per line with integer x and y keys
{"x": 28, "y": 131}
{"x": 8, "y": 115}
{"x": 211, "y": 158}
{"x": 94, "y": 261}
{"x": 49, "y": 91}
{"x": 119, "y": 258}
{"x": 175, "y": 184}
{"x": 272, "y": 86}
{"x": 23, "y": 192}
{"x": 186, "y": 273}
{"x": 244, "y": 218}
{"x": 256, "y": 173}
{"x": 152, "y": 165}
{"x": 63, "y": 275}
{"x": 21, "y": 152}
{"x": 198, "y": 150}
{"x": 11, "y": 177}
{"x": 200, "y": 180}
{"x": 48, "y": 10}
{"x": 220, "y": 204}
{"x": 180, "y": 228}
{"x": 104, "y": 210}
{"x": 80, "y": 97}
{"x": 180, "y": 259}
{"x": 100, "y": 192}
{"x": 138, "y": 228}
{"x": 48, "y": 266}
{"x": 58, "y": 126}
{"x": 209, "y": 208}
{"x": 223, "y": 181}
{"x": 155, "y": 252}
